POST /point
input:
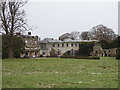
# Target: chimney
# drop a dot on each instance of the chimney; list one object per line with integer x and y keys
{"x": 29, "y": 33}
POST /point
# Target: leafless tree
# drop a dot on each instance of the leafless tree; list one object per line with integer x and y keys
{"x": 75, "y": 35}
{"x": 101, "y": 32}
{"x": 87, "y": 35}
{"x": 66, "y": 36}
{"x": 12, "y": 20}
{"x": 47, "y": 40}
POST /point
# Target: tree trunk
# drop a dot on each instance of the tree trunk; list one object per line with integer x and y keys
{"x": 10, "y": 47}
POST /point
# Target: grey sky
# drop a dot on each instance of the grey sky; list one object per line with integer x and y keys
{"x": 53, "y": 19}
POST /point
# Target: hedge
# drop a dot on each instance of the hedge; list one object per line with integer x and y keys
{"x": 81, "y": 57}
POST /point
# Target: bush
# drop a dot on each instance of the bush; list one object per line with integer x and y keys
{"x": 118, "y": 54}
{"x": 18, "y": 46}
{"x": 85, "y": 49}
{"x": 67, "y": 56}
{"x": 87, "y": 57}
{"x": 80, "y": 57}
{"x": 94, "y": 57}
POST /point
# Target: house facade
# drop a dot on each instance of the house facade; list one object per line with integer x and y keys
{"x": 34, "y": 47}
{"x": 60, "y": 47}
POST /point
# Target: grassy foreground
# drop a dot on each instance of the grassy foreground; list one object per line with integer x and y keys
{"x": 60, "y": 73}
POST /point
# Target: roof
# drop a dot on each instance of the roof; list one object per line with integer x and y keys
{"x": 66, "y": 40}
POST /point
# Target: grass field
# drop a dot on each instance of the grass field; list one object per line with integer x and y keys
{"x": 60, "y": 73}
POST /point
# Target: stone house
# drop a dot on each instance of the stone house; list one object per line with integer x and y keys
{"x": 32, "y": 47}
{"x": 60, "y": 46}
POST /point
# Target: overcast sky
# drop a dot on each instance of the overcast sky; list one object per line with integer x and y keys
{"x": 53, "y": 19}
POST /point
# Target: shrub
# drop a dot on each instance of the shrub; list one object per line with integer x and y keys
{"x": 80, "y": 57}
{"x": 67, "y": 56}
{"x": 118, "y": 54}
{"x": 85, "y": 49}
{"x": 94, "y": 57}
{"x": 87, "y": 57}
{"x": 18, "y": 46}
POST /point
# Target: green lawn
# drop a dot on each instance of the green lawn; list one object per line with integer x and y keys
{"x": 60, "y": 73}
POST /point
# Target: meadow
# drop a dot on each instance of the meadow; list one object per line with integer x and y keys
{"x": 60, "y": 73}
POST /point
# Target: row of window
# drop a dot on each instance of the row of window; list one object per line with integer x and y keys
{"x": 59, "y": 52}
{"x": 66, "y": 45}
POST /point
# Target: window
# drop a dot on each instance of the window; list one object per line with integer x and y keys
{"x": 72, "y": 45}
{"x": 75, "y": 44}
{"x": 96, "y": 52}
{"x": 67, "y": 45}
{"x": 53, "y": 45}
{"x": 26, "y": 53}
{"x": 43, "y": 53}
{"x": 62, "y": 45}
{"x": 58, "y": 45}
{"x": 35, "y": 53}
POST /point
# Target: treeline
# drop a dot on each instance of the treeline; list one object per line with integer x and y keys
{"x": 18, "y": 46}
{"x": 99, "y": 32}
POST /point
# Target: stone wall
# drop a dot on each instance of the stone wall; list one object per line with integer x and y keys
{"x": 59, "y": 47}
{"x": 98, "y": 51}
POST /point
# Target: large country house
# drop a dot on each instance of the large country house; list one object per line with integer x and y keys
{"x": 35, "y": 47}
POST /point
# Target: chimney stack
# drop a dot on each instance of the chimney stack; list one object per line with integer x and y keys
{"x": 29, "y": 33}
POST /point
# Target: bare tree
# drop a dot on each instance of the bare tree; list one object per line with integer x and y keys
{"x": 102, "y": 32}
{"x": 12, "y": 21}
{"x": 75, "y": 35}
{"x": 66, "y": 36}
{"x": 87, "y": 35}
{"x": 47, "y": 39}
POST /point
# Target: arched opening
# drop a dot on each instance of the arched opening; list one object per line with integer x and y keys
{"x": 105, "y": 53}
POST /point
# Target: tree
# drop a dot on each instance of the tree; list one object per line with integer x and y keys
{"x": 75, "y": 35}
{"x": 105, "y": 44}
{"x": 0, "y": 46}
{"x": 12, "y": 21}
{"x": 116, "y": 42}
{"x": 85, "y": 49}
{"x": 102, "y": 32}
{"x": 87, "y": 35}
{"x": 47, "y": 39}
{"x": 66, "y": 36}
{"x": 18, "y": 46}
{"x": 118, "y": 53}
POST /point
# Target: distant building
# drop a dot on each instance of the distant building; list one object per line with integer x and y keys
{"x": 98, "y": 51}
{"x": 60, "y": 46}
{"x": 32, "y": 48}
